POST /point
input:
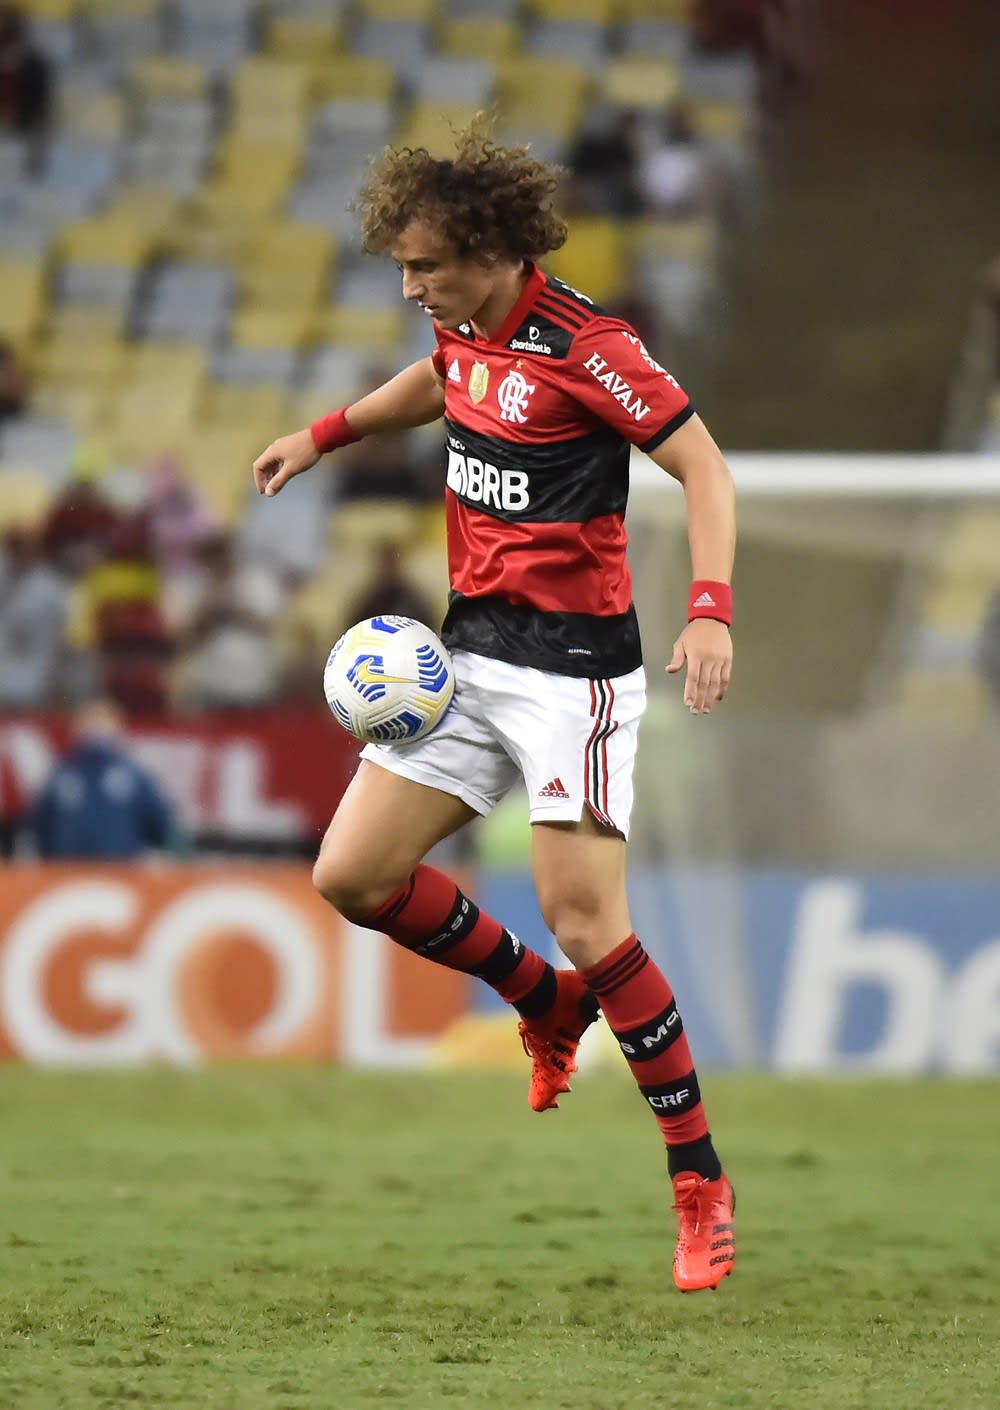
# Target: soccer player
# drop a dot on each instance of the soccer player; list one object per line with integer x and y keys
{"x": 543, "y": 395}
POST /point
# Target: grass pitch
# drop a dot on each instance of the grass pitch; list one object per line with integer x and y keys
{"x": 310, "y": 1239}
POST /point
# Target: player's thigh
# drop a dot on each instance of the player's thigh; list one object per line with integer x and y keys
{"x": 579, "y": 870}
{"x": 384, "y": 826}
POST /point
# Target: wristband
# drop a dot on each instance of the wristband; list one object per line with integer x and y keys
{"x": 331, "y": 432}
{"x": 710, "y": 599}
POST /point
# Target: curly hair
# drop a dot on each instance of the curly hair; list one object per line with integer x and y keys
{"x": 487, "y": 200}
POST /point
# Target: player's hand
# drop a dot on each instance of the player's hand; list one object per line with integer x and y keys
{"x": 285, "y": 457}
{"x": 707, "y": 648}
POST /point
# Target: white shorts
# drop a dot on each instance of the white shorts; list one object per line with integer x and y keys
{"x": 573, "y": 741}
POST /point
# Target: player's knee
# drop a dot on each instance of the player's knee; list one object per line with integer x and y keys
{"x": 355, "y": 892}
{"x": 579, "y": 926}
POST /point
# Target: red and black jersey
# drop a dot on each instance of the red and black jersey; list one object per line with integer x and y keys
{"x": 540, "y": 421}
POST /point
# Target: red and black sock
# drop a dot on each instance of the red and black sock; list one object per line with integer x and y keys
{"x": 431, "y": 917}
{"x": 639, "y": 1006}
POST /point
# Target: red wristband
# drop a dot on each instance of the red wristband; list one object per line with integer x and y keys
{"x": 331, "y": 432}
{"x": 710, "y": 599}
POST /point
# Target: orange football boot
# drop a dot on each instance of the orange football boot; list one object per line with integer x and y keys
{"x": 551, "y": 1042}
{"x": 705, "y": 1245}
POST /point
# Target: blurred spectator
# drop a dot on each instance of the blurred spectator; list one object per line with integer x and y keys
{"x": 179, "y": 520}
{"x": 385, "y": 467}
{"x": 78, "y": 526}
{"x": 126, "y": 623}
{"x": 989, "y": 650}
{"x": 674, "y": 175}
{"x": 303, "y": 658}
{"x": 25, "y": 85}
{"x": 13, "y": 383}
{"x": 390, "y": 592}
{"x": 34, "y": 604}
{"x": 225, "y": 615}
{"x": 638, "y": 309}
{"x": 98, "y": 803}
{"x": 603, "y": 160}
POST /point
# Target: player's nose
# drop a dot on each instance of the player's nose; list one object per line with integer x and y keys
{"x": 413, "y": 287}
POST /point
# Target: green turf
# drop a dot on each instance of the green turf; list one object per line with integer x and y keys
{"x": 309, "y": 1238}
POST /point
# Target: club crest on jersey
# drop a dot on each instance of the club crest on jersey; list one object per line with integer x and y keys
{"x": 479, "y": 381}
{"x": 512, "y": 397}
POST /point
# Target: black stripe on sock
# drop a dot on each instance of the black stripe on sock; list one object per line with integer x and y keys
{"x": 697, "y": 1156}
{"x": 620, "y": 973}
{"x": 501, "y": 961}
{"x": 673, "y": 1098}
{"x": 460, "y": 920}
{"x": 539, "y": 1000}
{"x": 650, "y": 1039}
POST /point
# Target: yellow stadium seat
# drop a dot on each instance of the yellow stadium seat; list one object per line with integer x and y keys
{"x": 51, "y": 9}
{"x": 433, "y": 125}
{"x": 304, "y": 37}
{"x": 600, "y": 12}
{"x": 113, "y": 240}
{"x": 83, "y": 362}
{"x": 541, "y": 95}
{"x": 352, "y": 77}
{"x": 23, "y": 298}
{"x": 471, "y": 38}
{"x": 277, "y": 328}
{"x": 692, "y": 240}
{"x": 218, "y": 460}
{"x": 290, "y": 246}
{"x": 921, "y": 690}
{"x": 413, "y": 10}
{"x": 593, "y": 258}
{"x": 170, "y": 77}
{"x": 267, "y": 83}
{"x": 156, "y": 364}
{"x": 640, "y": 82}
{"x": 153, "y": 208}
{"x": 365, "y": 523}
{"x": 83, "y": 407}
{"x": 87, "y": 321}
{"x": 371, "y": 329}
{"x": 234, "y": 405}
{"x": 721, "y": 121}
{"x": 25, "y": 495}
{"x": 91, "y": 113}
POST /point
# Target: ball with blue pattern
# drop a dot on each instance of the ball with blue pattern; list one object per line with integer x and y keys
{"x": 389, "y": 679}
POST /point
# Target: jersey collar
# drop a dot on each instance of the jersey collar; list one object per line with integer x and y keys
{"x": 536, "y": 282}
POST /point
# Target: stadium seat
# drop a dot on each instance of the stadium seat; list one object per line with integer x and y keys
{"x": 169, "y": 77}
{"x": 678, "y": 12}
{"x": 644, "y": 38}
{"x": 353, "y": 76}
{"x": 23, "y": 297}
{"x": 188, "y": 300}
{"x": 412, "y": 11}
{"x": 257, "y": 364}
{"x": 289, "y": 328}
{"x": 640, "y": 82}
{"x": 370, "y": 329}
{"x": 590, "y": 12}
{"x": 538, "y": 95}
{"x": 569, "y": 40}
{"x": 106, "y": 241}
{"x": 593, "y": 258}
{"x": 471, "y": 37}
{"x": 89, "y": 112}
{"x": 434, "y": 125}
{"x": 26, "y": 492}
{"x": 121, "y": 30}
{"x": 309, "y": 37}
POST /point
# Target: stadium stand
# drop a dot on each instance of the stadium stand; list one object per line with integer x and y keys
{"x": 182, "y": 273}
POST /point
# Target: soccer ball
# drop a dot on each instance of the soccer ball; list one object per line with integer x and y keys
{"x": 388, "y": 678}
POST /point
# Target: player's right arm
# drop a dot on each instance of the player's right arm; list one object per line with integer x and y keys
{"x": 413, "y": 397}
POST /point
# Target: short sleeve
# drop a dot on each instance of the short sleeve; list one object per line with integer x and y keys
{"x": 437, "y": 358}
{"x": 614, "y": 376}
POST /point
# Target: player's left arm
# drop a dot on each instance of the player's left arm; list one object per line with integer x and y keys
{"x": 692, "y": 457}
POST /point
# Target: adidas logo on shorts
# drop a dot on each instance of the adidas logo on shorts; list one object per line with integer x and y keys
{"x": 554, "y": 789}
